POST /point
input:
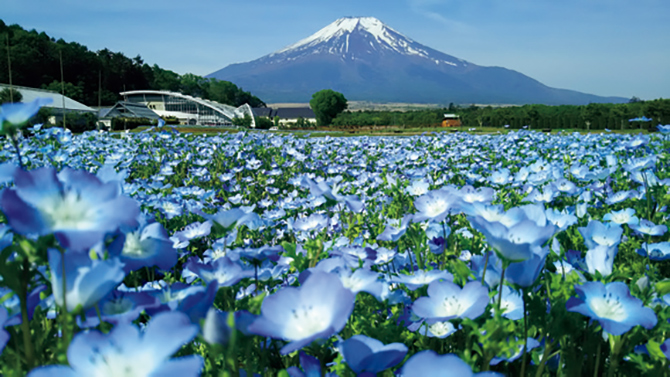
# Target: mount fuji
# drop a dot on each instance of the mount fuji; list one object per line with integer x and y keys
{"x": 366, "y": 60}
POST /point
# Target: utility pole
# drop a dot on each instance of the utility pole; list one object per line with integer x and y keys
{"x": 9, "y": 67}
{"x": 99, "y": 87}
{"x": 62, "y": 84}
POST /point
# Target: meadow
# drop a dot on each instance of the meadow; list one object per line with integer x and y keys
{"x": 160, "y": 253}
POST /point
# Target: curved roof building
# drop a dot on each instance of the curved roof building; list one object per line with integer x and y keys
{"x": 189, "y": 110}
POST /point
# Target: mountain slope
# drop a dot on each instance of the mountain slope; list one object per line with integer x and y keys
{"x": 366, "y": 60}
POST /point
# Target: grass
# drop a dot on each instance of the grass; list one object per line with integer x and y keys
{"x": 391, "y": 131}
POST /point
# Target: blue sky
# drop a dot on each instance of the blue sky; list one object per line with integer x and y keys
{"x": 604, "y": 47}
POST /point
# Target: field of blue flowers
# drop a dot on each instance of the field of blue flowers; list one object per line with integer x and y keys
{"x": 446, "y": 254}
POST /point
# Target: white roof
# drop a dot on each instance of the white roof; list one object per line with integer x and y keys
{"x": 30, "y": 94}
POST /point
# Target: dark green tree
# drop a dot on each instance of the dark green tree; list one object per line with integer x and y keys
{"x": 263, "y": 123}
{"x": 10, "y": 95}
{"x": 327, "y": 104}
{"x": 243, "y": 122}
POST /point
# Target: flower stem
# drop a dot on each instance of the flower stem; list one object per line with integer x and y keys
{"x": 65, "y": 313}
{"x": 502, "y": 282}
{"x": 15, "y": 143}
{"x": 545, "y": 358}
{"x": 596, "y": 367}
{"x": 25, "y": 324}
{"x": 486, "y": 265}
{"x": 525, "y": 334}
{"x": 616, "y": 343}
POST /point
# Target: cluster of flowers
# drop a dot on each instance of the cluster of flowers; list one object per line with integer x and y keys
{"x": 154, "y": 242}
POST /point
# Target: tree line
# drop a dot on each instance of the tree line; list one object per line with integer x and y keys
{"x": 593, "y": 116}
{"x": 97, "y": 78}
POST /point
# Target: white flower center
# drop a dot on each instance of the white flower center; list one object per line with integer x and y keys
{"x": 451, "y": 307}
{"x": 306, "y": 321}
{"x": 69, "y": 212}
{"x": 133, "y": 246}
{"x": 604, "y": 240}
{"x": 441, "y": 328}
{"x": 608, "y": 307}
{"x": 436, "y": 207}
{"x": 620, "y": 217}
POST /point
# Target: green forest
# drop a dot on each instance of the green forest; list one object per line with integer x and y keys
{"x": 541, "y": 117}
{"x": 97, "y": 78}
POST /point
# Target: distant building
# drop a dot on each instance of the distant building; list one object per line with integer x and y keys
{"x": 287, "y": 115}
{"x": 59, "y": 104}
{"x": 125, "y": 110}
{"x": 451, "y": 120}
{"x": 187, "y": 109}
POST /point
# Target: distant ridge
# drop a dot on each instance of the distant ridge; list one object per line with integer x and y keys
{"x": 367, "y": 60}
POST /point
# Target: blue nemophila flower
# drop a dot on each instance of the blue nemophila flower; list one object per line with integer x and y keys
{"x": 395, "y": 229}
{"x": 317, "y": 309}
{"x": 7, "y": 171}
{"x": 435, "y": 205}
{"x": 4, "y": 335}
{"x": 429, "y": 363}
{"x": 260, "y": 254}
{"x": 87, "y": 280}
{"x": 618, "y": 197}
{"x": 362, "y": 280}
{"x": 126, "y": 351}
{"x": 525, "y": 273}
{"x": 119, "y": 307}
{"x": 421, "y": 278}
{"x": 437, "y": 329}
{"x": 145, "y": 247}
{"x": 74, "y": 205}
{"x": 223, "y": 271}
{"x": 447, "y": 300}
{"x": 601, "y": 259}
{"x": 516, "y": 234}
{"x": 418, "y": 187}
{"x": 365, "y": 354}
{"x": 511, "y": 302}
{"x": 597, "y": 233}
{"x": 657, "y": 251}
{"x": 19, "y": 113}
{"x": 646, "y": 227}
{"x": 625, "y": 216}
{"x": 321, "y": 188}
{"x": 193, "y": 231}
{"x": 235, "y": 216}
{"x": 194, "y": 300}
{"x": 612, "y": 305}
{"x": 665, "y": 347}
{"x": 313, "y": 222}
{"x": 562, "y": 219}
{"x": 493, "y": 268}
{"x": 311, "y": 367}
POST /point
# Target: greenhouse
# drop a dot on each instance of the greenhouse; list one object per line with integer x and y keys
{"x": 187, "y": 109}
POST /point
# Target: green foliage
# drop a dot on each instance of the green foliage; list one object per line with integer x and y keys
{"x": 599, "y": 116}
{"x": 76, "y": 92}
{"x": 263, "y": 123}
{"x": 10, "y": 95}
{"x": 327, "y": 104}
{"x": 171, "y": 120}
{"x": 121, "y": 124}
{"x": 79, "y": 123}
{"x": 242, "y": 122}
{"x": 100, "y": 76}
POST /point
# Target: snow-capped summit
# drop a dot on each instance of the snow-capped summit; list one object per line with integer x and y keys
{"x": 367, "y": 60}
{"x": 358, "y": 38}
